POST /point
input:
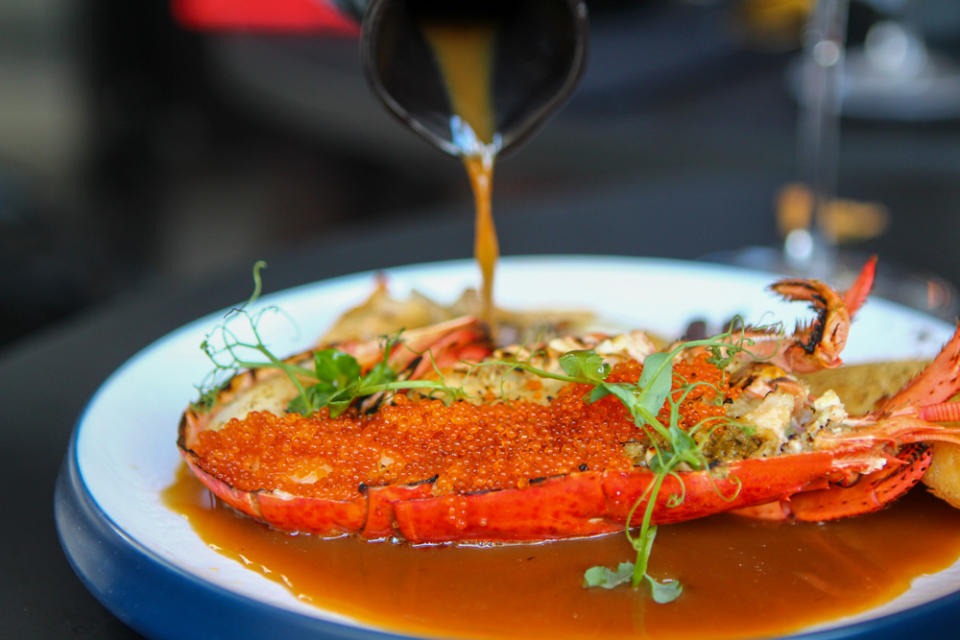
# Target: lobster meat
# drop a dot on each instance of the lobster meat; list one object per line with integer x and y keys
{"x": 771, "y": 451}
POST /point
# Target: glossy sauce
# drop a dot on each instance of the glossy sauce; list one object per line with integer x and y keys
{"x": 486, "y": 250}
{"x": 741, "y": 577}
{"x": 464, "y": 55}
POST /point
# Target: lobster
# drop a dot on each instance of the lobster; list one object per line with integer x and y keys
{"x": 800, "y": 458}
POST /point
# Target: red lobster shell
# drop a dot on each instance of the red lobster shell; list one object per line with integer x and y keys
{"x": 849, "y": 473}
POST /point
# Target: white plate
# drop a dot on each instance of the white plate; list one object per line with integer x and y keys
{"x": 125, "y": 454}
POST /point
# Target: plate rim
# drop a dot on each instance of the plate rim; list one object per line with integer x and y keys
{"x": 83, "y": 527}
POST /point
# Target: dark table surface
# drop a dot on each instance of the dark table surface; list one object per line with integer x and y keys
{"x": 48, "y": 378}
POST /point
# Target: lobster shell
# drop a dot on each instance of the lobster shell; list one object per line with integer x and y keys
{"x": 574, "y": 505}
{"x": 821, "y": 484}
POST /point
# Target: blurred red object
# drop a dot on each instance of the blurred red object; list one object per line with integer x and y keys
{"x": 263, "y": 15}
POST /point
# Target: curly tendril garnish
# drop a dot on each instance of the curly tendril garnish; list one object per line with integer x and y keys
{"x": 335, "y": 381}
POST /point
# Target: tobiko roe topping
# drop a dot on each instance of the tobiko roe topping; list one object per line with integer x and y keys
{"x": 467, "y": 447}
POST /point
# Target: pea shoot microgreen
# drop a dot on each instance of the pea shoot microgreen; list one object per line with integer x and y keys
{"x": 335, "y": 381}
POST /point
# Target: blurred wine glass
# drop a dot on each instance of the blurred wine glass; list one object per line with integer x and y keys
{"x": 896, "y": 75}
{"x": 811, "y": 218}
{"x": 807, "y": 248}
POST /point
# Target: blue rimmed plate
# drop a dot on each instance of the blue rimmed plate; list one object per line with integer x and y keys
{"x": 146, "y": 564}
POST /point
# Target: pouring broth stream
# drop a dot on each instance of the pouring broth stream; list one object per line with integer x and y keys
{"x": 464, "y": 56}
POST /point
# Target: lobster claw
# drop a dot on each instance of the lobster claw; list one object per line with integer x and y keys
{"x": 817, "y": 345}
{"x": 907, "y": 418}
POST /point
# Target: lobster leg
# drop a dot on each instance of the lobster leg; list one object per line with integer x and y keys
{"x": 870, "y": 493}
{"x": 941, "y": 412}
{"x": 745, "y": 483}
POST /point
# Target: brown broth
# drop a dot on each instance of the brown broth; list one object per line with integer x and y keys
{"x": 464, "y": 54}
{"x": 741, "y": 577}
{"x": 486, "y": 250}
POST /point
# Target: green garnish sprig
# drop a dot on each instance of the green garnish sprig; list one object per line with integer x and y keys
{"x": 230, "y": 354}
{"x": 644, "y": 400}
{"x": 340, "y": 381}
{"x": 335, "y": 381}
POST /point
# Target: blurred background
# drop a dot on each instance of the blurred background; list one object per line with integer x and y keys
{"x": 144, "y": 143}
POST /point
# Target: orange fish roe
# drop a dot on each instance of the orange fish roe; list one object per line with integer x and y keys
{"x": 700, "y": 403}
{"x": 466, "y": 447}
